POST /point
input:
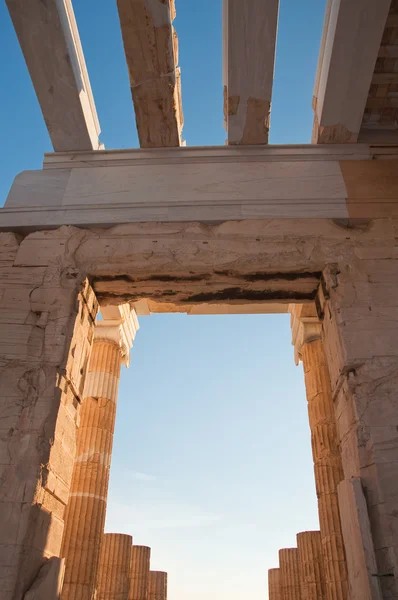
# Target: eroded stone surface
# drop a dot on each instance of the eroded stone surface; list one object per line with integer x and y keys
{"x": 274, "y": 584}
{"x": 48, "y": 584}
{"x": 85, "y": 514}
{"x": 139, "y": 572}
{"x": 312, "y": 570}
{"x": 350, "y": 265}
{"x": 289, "y": 574}
{"x": 327, "y": 467}
{"x": 114, "y": 567}
{"x": 157, "y": 589}
{"x": 42, "y": 350}
{"x": 360, "y": 328}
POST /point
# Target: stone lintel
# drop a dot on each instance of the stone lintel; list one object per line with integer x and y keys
{"x": 102, "y": 189}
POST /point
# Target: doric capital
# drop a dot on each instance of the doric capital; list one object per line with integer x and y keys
{"x": 306, "y": 327}
{"x": 120, "y": 325}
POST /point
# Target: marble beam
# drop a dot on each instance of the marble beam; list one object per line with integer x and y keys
{"x": 151, "y": 48}
{"x": 249, "y": 36}
{"x": 50, "y": 42}
{"x": 350, "y": 44}
{"x": 166, "y": 185}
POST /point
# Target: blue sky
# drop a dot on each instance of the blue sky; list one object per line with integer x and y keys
{"x": 212, "y": 462}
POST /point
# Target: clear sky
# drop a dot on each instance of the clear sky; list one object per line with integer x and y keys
{"x": 212, "y": 462}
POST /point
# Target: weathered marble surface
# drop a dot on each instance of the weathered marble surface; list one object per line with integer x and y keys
{"x": 312, "y": 570}
{"x": 86, "y": 509}
{"x": 361, "y": 560}
{"x": 249, "y": 40}
{"x": 139, "y": 572}
{"x": 353, "y": 271}
{"x": 177, "y": 266}
{"x": 208, "y": 185}
{"x": 157, "y": 589}
{"x": 151, "y": 48}
{"x": 50, "y": 41}
{"x": 43, "y": 350}
{"x": 114, "y": 567}
{"x": 350, "y": 45}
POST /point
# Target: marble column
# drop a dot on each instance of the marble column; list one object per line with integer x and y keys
{"x": 274, "y": 584}
{"x": 139, "y": 572}
{"x": 157, "y": 589}
{"x": 85, "y": 514}
{"x": 312, "y": 573}
{"x": 309, "y": 348}
{"x": 289, "y": 574}
{"x": 114, "y": 567}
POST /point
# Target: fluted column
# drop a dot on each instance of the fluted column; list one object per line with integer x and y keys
{"x": 312, "y": 573}
{"x": 157, "y": 589}
{"x": 85, "y": 514}
{"x": 289, "y": 574}
{"x": 274, "y": 584}
{"x": 325, "y": 445}
{"x": 114, "y": 567}
{"x": 139, "y": 572}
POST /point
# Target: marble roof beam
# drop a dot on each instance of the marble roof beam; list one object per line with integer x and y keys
{"x": 351, "y": 39}
{"x": 151, "y": 48}
{"x": 50, "y": 42}
{"x": 249, "y": 40}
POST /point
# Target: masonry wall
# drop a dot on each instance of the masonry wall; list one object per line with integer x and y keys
{"x": 361, "y": 333}
{"x": 47, "y": 313}
{"x": 43, "y": 348}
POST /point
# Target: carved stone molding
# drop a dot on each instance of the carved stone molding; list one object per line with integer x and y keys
{"x": 119, "y": 325}
{"x": 305, "y": 326}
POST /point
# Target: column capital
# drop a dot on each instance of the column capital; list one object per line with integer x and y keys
{"x": 120, "y": 325}
{"x": 305, "y": 325}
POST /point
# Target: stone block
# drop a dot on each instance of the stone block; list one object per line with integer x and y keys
{"x": 61, "y": 461}
{"x": 13, "y": 579}
{"x": 358, "y": 542}
{"x": 57, "y": 487}
{"x": 48, "y": 583}
{"x": 54, "y": 537}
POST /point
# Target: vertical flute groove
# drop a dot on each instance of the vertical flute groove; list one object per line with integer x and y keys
{"x": 139, "y": 572}
{"x": 312, "y": 573}
{"x": 274, "y": 584}
{"x": 114, "y": 567}
{"x": 327, "y": 467}
{"x": 85, "y": 512}
{"x": 157, "y": 589}
{"x": 289, "y": 574}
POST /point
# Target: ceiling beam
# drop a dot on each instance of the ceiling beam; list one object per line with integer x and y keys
{"x": 50, "y": 42}
{"x": 151, "y": 48}
{"x": 249, "y": 39}
{"x": 351, "y": 39}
